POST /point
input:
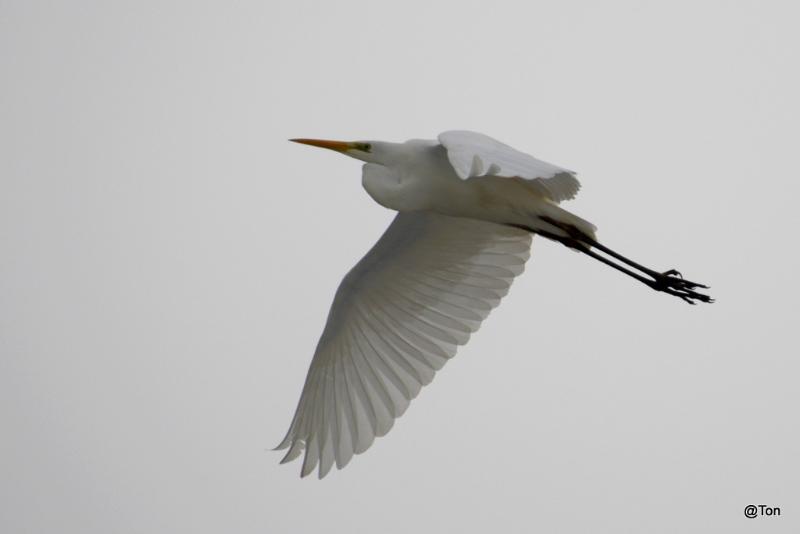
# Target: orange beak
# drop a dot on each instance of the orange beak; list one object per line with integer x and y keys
{"x": 338, "y": 146}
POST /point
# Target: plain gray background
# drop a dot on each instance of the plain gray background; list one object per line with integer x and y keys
{"x": 167, "y": 261}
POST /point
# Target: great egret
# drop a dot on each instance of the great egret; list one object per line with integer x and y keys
{"x": 467, "y": 207}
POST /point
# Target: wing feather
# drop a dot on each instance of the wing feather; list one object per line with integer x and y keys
{"x": 384, "y": 354}
{"x": 397, "y": 317}
{"x": 326, "y": 452}
{"x": 364, "y": 414}
{"x": 377, "y": 398}
{"x": 348, "y": 436}
{"x": 473, "y": 155}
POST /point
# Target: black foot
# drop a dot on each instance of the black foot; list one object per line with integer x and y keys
{"x": 673, "y": 283}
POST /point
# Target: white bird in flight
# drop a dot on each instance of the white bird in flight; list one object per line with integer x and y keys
{"x": 467, "y": 208}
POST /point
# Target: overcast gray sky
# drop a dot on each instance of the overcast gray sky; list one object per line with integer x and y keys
{"x": 167, "y": 261}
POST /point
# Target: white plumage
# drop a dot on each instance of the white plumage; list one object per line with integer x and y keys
{"x": 468, "y": 206}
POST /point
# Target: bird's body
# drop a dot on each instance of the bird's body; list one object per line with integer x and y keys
{"x": 467, "y": 207}
{"x": 420, "y": 177}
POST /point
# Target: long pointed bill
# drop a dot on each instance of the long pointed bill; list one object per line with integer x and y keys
{"x": 338, "y": 146}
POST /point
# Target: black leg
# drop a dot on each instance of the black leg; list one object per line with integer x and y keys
{"x": 659, "y": 285}
{"x": 670, "y": 282}
{"x": 672, "y": 273}
{"x": 667, "y": 277}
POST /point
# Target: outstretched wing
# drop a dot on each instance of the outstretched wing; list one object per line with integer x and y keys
{"x": 473, "y": 154}
{"x": 397, "y": 317}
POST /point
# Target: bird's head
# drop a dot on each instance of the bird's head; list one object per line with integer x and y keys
{"x": 369, "y": 151}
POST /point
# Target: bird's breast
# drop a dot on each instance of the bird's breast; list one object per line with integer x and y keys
{"x": 409, "y": 188}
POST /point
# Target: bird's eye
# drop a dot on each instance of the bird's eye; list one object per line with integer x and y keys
{"x": 366, "y": 147}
